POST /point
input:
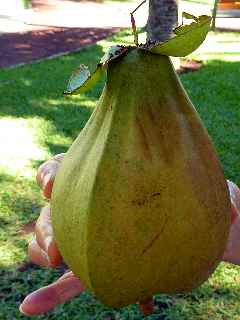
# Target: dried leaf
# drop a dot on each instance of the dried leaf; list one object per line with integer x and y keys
{"x": 113, "y": 53}
{"x": 188, "y": 38}
{"x": 82, "y": 80}
{"x": 189, "y": 16}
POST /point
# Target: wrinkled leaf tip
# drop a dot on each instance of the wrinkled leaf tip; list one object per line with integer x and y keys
{"x": 112, "y": 53}
{"x": 188, "y": 37}
{"x": 187, "y": 15}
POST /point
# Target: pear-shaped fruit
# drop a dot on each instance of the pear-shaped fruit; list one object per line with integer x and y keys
{"x": 140, "y": 204}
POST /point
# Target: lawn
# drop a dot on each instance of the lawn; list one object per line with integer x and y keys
{"x": 37, "y": 121}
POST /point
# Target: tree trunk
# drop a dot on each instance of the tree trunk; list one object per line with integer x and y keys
{"x": 162, "y": 19}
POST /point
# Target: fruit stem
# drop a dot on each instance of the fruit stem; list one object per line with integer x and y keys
{"x": 147, "y": 306}
{"x": 134, "y": 29}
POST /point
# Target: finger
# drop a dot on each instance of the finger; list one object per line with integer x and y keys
{"x": 234, "y": 194}
{"x": 47, "y": 165}
{"x": 46, "y": 174}
{"x": 234, "y": 214}
{"x": 147, "y": 306}
{"x": 37, "y": 255}
{"x": 47, "y": 298}
{"x": 47, "y": 184}
{"x": 43, "y": 228}
{"x": 44, "y": 169}
{"x": 44, "y": 237}
{"x": 232, "y": 250}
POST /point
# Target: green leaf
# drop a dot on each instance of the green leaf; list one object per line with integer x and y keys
{"x": 82, "y": 80}
{"x": 188, "y": 37}
{"x": 189, "y": 27}
{"x": 113, "y": 53}
{"x": 189, "y": 16}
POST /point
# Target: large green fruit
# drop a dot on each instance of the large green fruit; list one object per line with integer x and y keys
{"x": 140, "y": 204}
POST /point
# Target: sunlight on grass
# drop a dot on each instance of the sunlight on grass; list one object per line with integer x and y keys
{"x": 224, "y": 274}
{"x": 11, "y": 253}
{"x": 19, "y": 146}
{"x": 85, "y": 102}
{"x": 221, "y": 46}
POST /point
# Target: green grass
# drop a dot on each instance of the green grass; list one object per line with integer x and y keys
{"x": 26, "y": 3}
{"x": 36, "y": 122}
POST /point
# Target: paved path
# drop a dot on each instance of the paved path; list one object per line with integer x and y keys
{"x": 18, "y": 48}
{"x": 58, "y": 26}
{"x": 87, "y": 14}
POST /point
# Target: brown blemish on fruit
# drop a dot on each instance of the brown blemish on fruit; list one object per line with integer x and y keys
{"x": 151, "y": 116}
{"x": 155, "y": 238}
{"x": 143, "y": 140}
{"x": 143, "y": 201}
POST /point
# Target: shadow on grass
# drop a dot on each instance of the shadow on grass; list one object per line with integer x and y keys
{"x": 15, "y": 285}
{"x": 20, "y": 202}
{"x": 35, "y": 91}
{"x": 200, "y": 304}
{"x": 57, "y": 148}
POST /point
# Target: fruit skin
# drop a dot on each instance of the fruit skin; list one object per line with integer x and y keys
{"x": 140, "y": 204}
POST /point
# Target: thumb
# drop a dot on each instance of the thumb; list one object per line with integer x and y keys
{"x": 47, "y": 298}
{"x": 47, "y": 172}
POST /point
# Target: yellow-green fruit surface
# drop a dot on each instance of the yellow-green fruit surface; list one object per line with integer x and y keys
{"x": 140, "y": 204}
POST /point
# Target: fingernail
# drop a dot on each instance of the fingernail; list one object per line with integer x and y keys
{"x": 47, "y": 186}
{"x": 48, "y": 242}
{"x": 23, "y": 312}
{"x": 46, "y": 179}
{"x": 234, "y": 214}
{"x": 20, "y": 309}
{"x": 50, "y": 250}
{"x": 53, "y": 254}
{"x": 59, "y": 157}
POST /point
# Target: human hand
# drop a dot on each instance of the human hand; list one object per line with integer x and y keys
{"x": 232, "y": 252}
{"x": 43, "y": 251}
